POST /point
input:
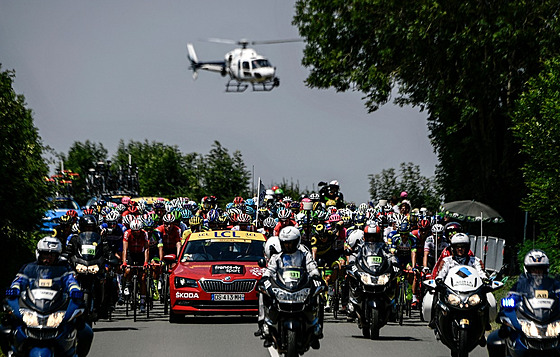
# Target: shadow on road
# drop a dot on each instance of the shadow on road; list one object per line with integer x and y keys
{"x": 113, "y": 329}
{"x": 212, "y": 320}
{"x": 390, "y": 338}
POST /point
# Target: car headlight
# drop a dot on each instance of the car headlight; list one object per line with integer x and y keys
{"x": 288, "y": 297}
{"x": 453, "y": 299}
{"x": 55, "y": 319}
{"x": 80, "y": 268}
{"x": 185, "y": 283}
{"x": 93, "y": 269}
{"x": 30, "y": 318}
{"x": 474, "y": 299}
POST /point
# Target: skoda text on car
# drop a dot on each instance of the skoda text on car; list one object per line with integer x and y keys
{"x": 217, "y": 273}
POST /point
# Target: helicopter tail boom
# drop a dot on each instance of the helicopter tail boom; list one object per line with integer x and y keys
{"x": 218, "y": 66}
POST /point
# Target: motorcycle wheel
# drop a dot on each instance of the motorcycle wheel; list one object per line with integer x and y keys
{"x": 291, "y": 344}
{"x": 462, "y": 344}
{"x": 374, "y": 324}
{"x": 365, "y": 322}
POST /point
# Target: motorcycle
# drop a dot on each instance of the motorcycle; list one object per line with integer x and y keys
{"x": 42, "y": 321}
{"x": 373, "y": 285}
{"x": 293, "y": 311}
{"x": 463, "y": 309}
{"x": 530, "y": 320}
{"x": 89, "y": 264}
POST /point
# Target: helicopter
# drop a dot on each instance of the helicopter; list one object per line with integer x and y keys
{"x": 243, "y": 65}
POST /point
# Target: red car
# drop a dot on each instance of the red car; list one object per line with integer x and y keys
{"x": 217, "y": 273}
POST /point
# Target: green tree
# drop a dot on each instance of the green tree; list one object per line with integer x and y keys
{"x": 223, "y": 175}
{"x": 465, "y": 62}
{"x": 80, "y": 158}
{"x": 162, "y": 169}
{"x": 23, "y": 191}
{"x": 422, "y": 191}
{"x": 537, "y": 129}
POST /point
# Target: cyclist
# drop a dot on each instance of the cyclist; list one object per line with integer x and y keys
{"x": 170, "y": 237}
{"x": 404, "y": 245}
{"x": 64, "y": 229}
{"x": 195, "y": 225}
{"x": 136, "y": 252}
{"x": 284, "y": 220}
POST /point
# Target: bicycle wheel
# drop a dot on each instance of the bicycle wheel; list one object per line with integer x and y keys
{"x": 148, "y": 293}
{"x": 402, "y": 302}
{"x": 165, "y": 293}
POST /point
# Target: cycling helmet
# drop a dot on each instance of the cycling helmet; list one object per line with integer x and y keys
{"x": 244, "y": 218}
{"x": 213, "y": 215}
{"x": 112, "y": 217}
{"x": 289, "y": 239}
{"x": 314, "y": 196}
{"x": 149, "y": 223}
{"x": 66, "y": 220}
{"x": 536, "y": 262}
{"x": 195, "y": 221}
{"x": 159, "y": 205}
{"x": 452, "y": 228}
{"x": 250, "y": 202}
{"x": 178, "y": 215}
{"x": 271, "y": 247}
{"x": 351, "y": 206}
{"x": 133, "y": 210}
{"x": 362, "y": 208}
{"x": 127, "y": 219}
{"x": 355, "y": 238}
{"x": 334, "y": 218}
{"x": 238, "y": 200}
{"x": 88, "y": 211}
{"x": 263, "y": 212}
{"x": 372, "y": 233}
{"x": 72, "y": 213}
{"x": 269, "y": 222}
{"x": 404, "y": 228}
{"x": 250, "y": 210}
{"x": 121, "y": 208}
{"x": 136, "y": 225}
{"x": 168, "y": 218}
{"x": 125, "y": 200}
{"x": 284, "y": 214}
{"x": 330, "y": 203}
{"x": 48, "y": 245}
{"x": 424, "y": 224}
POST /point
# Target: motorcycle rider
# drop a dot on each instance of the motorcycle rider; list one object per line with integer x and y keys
{"x": 535, "y": 276}
{"x": 49, "y": 266}
{"x": 291, "y": 251}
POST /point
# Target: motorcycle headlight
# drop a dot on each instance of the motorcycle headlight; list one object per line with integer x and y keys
{"x": 185, "y": 283}
{"x": 80, "y": 268}
{"x": 383, "y": 279}
{"x": 93, "y": 269}
{"x": 474, "y": 300}
{"x": 453, "y": 299}
{"x": 55, "y": 319}
{"x": 287, "y": 297}
{"x": 553, "y": 329}
{"x": 366, "y": 279}
{"x": 529, "y": 328}
{"x": 30, "y": 318}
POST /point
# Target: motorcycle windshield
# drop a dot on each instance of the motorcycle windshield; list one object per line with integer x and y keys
{"x": 292, "y": 274}
{"x": 87, "y": 245}
{"x": 373, "y": 258}
{"x": 539, "y": 299}
{"x": 45, "y": 291}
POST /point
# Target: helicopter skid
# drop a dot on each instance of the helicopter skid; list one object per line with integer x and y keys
{"x": 239, "y": 87}
{"x": 236, "y": 87}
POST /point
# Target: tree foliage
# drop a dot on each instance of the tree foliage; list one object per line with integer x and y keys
{"x": 465, "y": 62}
{"x": 23, "y": 191}
{"x": 537, "y": 129}
{"x": 422, "y": 191}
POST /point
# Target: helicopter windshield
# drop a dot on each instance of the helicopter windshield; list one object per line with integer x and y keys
{"x": 260, "y": 63}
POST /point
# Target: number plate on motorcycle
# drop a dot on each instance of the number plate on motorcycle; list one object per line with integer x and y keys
{"x": 374, "y": 259}
{"x": 291, "y": 275}
{"x": 228, "y": 297}
{"x": 541, "y": 294}
{"x": 88, "y": 249}
{"x": 45, "y": 283}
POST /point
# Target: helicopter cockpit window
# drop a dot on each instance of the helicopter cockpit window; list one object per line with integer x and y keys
{"x": 261, "y": 63}
{"x": 246, "y": 65}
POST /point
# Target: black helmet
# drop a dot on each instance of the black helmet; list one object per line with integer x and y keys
{"x": 88, "y": 223}
{"x": 451, "y": 229}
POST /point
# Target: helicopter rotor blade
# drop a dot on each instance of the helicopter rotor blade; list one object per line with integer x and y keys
{"x": 270, "y": 42}
{"x": 222, "y": 40}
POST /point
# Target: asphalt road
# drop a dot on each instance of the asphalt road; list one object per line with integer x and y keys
{"x": 233, "y": 336}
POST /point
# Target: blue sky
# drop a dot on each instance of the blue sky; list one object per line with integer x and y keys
{"x": 110, "y": 70}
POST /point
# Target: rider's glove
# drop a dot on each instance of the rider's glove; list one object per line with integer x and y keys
{"x": 76, "y": 294}
{"x": 425, "y": 270}
{"x": 12, "y": 293}
{"x": 145, "y": 265}
{"x": 123, "y": 265}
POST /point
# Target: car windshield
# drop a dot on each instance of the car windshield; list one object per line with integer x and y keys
{"x": 211, "y": 250}
{"x": 66, "y": 204}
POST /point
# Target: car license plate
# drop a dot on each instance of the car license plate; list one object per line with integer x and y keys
{"x": 228, "y": 297}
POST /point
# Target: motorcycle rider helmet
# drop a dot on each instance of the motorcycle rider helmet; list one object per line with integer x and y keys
{"x": 372, "y": 233}
{"x": 88, "y": 223}
{"x": 289, "y": 239}
{"x": 536, "y": 263}
{"x": 271, "y": 247}
{"x": 451, "y": 229}
{"x": 48, "y": 250}
{"x": 355, "y": 238}
{"x": 460, "y": 240}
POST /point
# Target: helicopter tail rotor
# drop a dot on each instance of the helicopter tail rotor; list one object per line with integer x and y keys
{"x": 191, "y": 54}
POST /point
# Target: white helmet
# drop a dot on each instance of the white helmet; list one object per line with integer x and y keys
{"x": 136, "y": 225}
{"x": 289, "y": 239}
{"x": 536, "y": 258}
{"x": 48, "y": 245}
{"x": 460, "y": 238}
{"x": 271, "y": 247}
{"x": 355, "y": 238}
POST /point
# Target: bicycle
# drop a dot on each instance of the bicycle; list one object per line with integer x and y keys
{"x": 337, "y": 298}
{"x": 168, "y": 261}
{"x": 133, "y": 297}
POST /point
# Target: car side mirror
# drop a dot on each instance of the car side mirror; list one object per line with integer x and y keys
{"x": 262, "y": 263}
{"x": 170, "y": 258}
